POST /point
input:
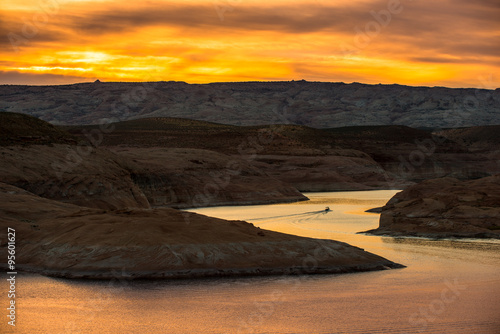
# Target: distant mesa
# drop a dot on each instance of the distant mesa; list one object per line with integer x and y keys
{"x": 313, "y": 104}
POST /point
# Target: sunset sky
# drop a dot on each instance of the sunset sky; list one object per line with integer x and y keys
{"x": 453, "y": 43}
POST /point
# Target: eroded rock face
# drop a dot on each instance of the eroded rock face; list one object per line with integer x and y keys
{"x": 65, "y": 240}
{"x": 68, "y": 169}
{"x": 140, "y": 178}
{"x": 352, "y": 158}
{"x": 445, "y": 207}
{"x": 80, "y": 175}
{"x": 198, "y": 178}
{"x": 477, "y": 139}
{"x": 315, "y": 104}
{"x": 353, "y": 170}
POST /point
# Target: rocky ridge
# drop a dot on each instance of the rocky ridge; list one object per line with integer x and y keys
{"x": 445, "y": 207}
{"x": 85, "y": 175}
{"x": 349, "y": 158}
{"x": 315, "y": 104}
{"x": 181, "y": 177}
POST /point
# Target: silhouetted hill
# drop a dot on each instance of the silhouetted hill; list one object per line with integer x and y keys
{"x": 286, "y": 139}
{"x": 363, "y": 157}
{"x": 229, "y": 139}
{"x": 395, "y": 133}
{"x": 24, "y": 129}
{"x": 477, "y": 138}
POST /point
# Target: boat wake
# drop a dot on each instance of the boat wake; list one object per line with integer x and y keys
{"x": 302, "y": 215}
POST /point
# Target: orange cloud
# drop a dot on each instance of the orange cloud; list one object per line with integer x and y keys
{"x": 395, "y": 41}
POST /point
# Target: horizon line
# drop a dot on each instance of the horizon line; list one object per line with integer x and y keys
{"x": 98, "y": 81}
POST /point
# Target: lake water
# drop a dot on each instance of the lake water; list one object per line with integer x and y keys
{"x": 447, "y": 287}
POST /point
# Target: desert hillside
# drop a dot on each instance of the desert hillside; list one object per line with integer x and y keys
{"x": 65, "y": 240}
{"x": 82, "y": 211}
{"x": 348, "y": 158}
{"x": 54, "y": 164}
{"x": 479, "y": 138}
{"x": 315, "y": 104}
{"x": 22, "y": 129}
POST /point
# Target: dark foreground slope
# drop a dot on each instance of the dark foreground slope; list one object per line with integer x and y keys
{"x": 65, "y": 240}
{"x": 445, "y": 207}
{"x": 95, "y": 219}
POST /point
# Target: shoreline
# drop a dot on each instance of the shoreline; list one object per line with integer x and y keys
{"x": 66, "y": 240}
{"x": 236, "y": 203}
{"x": 432, "y": 236}
{"x": 211, "y": 272}
{"x": 295, "y": 256}
{"x": 266, "y": 202}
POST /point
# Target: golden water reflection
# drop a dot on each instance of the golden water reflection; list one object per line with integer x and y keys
{"x": 375, "y": 302}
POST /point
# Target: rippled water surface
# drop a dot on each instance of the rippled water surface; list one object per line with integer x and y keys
{"x": 447, "y": 287}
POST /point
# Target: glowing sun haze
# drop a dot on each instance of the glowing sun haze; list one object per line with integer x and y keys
{"x": 420, "y": 42}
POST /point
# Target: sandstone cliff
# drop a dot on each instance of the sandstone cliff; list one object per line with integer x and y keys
{"x": 58, "y": 172}
{"x": 349, "y": 158}
{"x": 81, "y": 174}
{"x": 65, "y": 240}
{"x": 181, "y": 178}
{"x": 444, "y": 207}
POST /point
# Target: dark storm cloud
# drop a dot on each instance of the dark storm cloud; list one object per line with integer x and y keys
{"x": 293, "y": 18}
{"x": 19, "y": 78}
{"x": 18, "y": 33}
{"x": 459, "y": 26}
{"x": 442, "y": 60}
{"x": 446, "y": 26}
{"x": 283, "y": 19}
{"x": 310, "y": 38}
